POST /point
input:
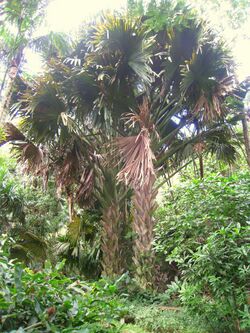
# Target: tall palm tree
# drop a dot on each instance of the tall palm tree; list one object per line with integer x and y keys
{"x": 159, "y": 100}
{"x": 193, "y": 76}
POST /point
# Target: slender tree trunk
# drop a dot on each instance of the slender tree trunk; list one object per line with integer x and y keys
{"x": 11, "y": 76}
{"x": 143, "y": 223}
{"x": 195, "y": 168}
{"x": 4, "y": 80}
{"x": 246, "y": 137}
{"x": 111, "y": 219}
{"x": 6, "y": 101}
{"x": 70, "y": 207}
{"x": 201, "y": 163}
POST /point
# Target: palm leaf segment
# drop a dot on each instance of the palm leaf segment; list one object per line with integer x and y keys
{"x": 121, "y": 49}
{"x": 205, "y": 81}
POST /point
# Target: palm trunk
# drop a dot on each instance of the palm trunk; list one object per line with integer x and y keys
{"x": 143, "y": 223}
{"x": 246, "y": 138}
{"x": 111, "y": 262}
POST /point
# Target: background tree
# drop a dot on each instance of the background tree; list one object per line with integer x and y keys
{"x": 21, "y": 20}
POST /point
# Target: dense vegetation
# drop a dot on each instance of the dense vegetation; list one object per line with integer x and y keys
{"x": 208, "y": 242}
{"x": 124, "y": 175}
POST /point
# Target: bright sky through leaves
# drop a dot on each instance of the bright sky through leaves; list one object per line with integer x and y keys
{"x": 67, "y": 16}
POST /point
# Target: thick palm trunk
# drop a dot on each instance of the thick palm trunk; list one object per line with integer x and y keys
{"x": 246, "y": 138}
{"x": 143, "y": 224}
{"x": 111, "y": 219}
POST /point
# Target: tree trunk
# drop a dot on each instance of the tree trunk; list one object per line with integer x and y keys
{"x": 111, "y": 262}
{"x": 11, "y": 76}
{"x": 70, "y": 207}
{"x": 6, "y": 100}
{"x": 246, "y": 137}
{"x": 201, "y": 166}
{"x": 143, "y": 223}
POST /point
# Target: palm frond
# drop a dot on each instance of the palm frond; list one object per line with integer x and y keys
{"x": 85, "y": 190}
{"x": 11, "y": 133}
{"x": 52, "y": 44}
{"x": 41, "y": 108}
{"x": 29, "y": 248}
{"x": 30, "y": 155}
{"x": 138, "y": 159}
{"x": 120, "y": 43}
{"x": 205, "y": 81}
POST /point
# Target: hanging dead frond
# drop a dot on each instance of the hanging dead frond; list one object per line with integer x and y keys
{"x": 30, "y": 155}
{"x": 138, "y": 159}
{"x": 11, "y": 133}
{"x": 205, "y": 81}
{"x": 211, "y": 108}
{"x": 68, "y": 171}
{"x": 85, "y": 189}
{"x": 199, "y": 147}
{"x": 142, "y": 117}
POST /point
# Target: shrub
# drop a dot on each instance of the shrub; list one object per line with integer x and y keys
{"x": 203, "y": 228}
{"x": 160, "y": 319}
{"x": 48, "y": 301}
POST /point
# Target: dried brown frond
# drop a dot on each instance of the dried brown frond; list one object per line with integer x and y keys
{"x": 138, "y": 159}
{"x": 199, "y": 147}
{"x": 31, "y": 155}
{"x": 142, "y": 117}
{"x": 212, "y": 108}
{"x": 68, "y": 171}
{"x": 12, "y": 133}
{"x": 85, "y": 189}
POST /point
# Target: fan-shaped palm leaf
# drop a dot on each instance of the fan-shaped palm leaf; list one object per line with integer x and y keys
{"x": 121, "y": 49}
{"x": 205, "y": 81}
{"x": 54, "y": 44}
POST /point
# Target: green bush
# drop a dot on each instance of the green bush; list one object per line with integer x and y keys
{"x": 11, "y": 199}
{"x": 204, "y": 229}
{"x": 162, "y": 319}
{"x": 48, "y": 301}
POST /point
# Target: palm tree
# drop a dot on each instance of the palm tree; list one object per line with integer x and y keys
{"x": 160, "y": 101}
{"x": 192, "y": 81}
{"x": 23, "y": 18}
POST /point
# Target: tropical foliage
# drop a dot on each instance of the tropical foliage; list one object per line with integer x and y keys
{"x": 38, "y": 301}
{"x": 143, "y": 99}
{"x": 152, "y": 99}
{"x": 207, "y": 241}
